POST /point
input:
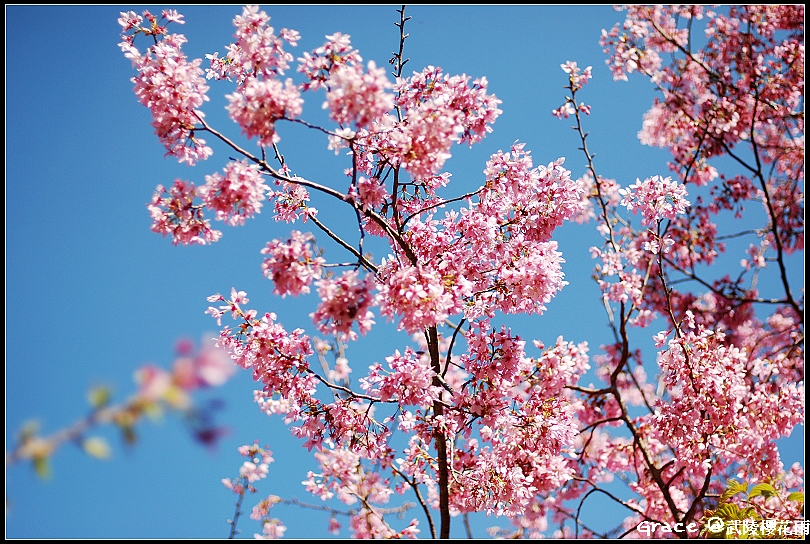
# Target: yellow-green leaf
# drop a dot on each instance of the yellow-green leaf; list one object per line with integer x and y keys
{"x": 750, "y": 512}
{"x": 766, "y": 490}
{"x": 153, "y": 410}
{"x": 97, "y": 447}
{"x": 796, "y": 496}
{"x": 728, "y": 511}
{"x": 99, "y": 397}
{"x": 732, "y": 488}
{"x": 42, "y": 467}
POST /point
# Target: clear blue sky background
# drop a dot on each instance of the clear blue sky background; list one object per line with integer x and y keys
{"x": 92, "y": 294}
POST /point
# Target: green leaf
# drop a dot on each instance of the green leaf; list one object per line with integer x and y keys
{"x": 728, "y": 511}
{"x": 97, "y": 447}
{"x": 732, "y": 488}
{"x": 796, "y": 496}
{"x": 153, "y": 410}
{"x": 99, "y": 397}
{"x": 750, "y": 512}
{"x": 42, "y": 467}
{"x": 766, "y": 490}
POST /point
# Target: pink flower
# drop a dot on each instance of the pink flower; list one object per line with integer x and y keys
{"x": 438, "y": 111}
{"x": 409, "y": 381}
{"x": 372, "y": 192}
{"x": 564, "y": 111}
{"x": 172, "y": 16}
{"x": 658, "y": 198}
{"x": 154, "y": 382}
{"x": 290, "y": 203}
{"x": 129, "y": 20}
{"x": 451, "y": 96}
{"x": 576, "y": 77}
{"x": 259, "y": 104}
{"x": 234, "y": 486}
{"x": 174, "y": 212}
{"x": 658, "y": 245}
{"x": 257, "y": 53}
{"x": 357, "y": 98}
{"x": 418, "y": 296}
{"x": 237, "y": 195}
{"x": 292, "y": 265}
{"x": 210, "y": 367}
{"x": 345, "y": 301}
{"x": 319, "y": 65}
{"x": 253, "y": 472}
{"x": 172, "y": 88}
{"x": 272, "y": 529}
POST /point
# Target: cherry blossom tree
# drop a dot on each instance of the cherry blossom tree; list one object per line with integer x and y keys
{"x": 463, "y": 418}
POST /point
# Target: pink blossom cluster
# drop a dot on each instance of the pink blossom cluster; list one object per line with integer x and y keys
{"x": 343, "y": 475}
{"x": 271, "y": 530}
{"x": 345, "y": 300}
{"x": 509, "y": 231}
{"x": 734, "y": 392}
{"x": 292, "y": 265}
{"x": 607, "y": 192}
{"x": 371, "y": 192}
{"x": 358, "y": 98}
{"x": 324, "y": 61}
{"x": 623, "y": 267}
{"x": 261, "y": 344}
{"x": 470, "y": 106}
{"x": 532, "y": 200}
{"x": 417, "y": 295}
{"x": 657, "y": 198}
{"x": 262, "y": 508}
{"x": 290, "y": 203}
{"x": 494, "y": 255}
{"x": 347, "y": 423}
{"x": 237, "y": 195}
{"x": 626, "y": 58}
{"x": 789, "y": 199}
{"x": 711, "y": 397}
{"x": 708, "y": 108}
{"x": 408, "y": 382}
{"x": 560, "y": 365}
{"x": 257, "y": 53}
{"x": 437, "y": 111}
{"x": 568, "y": 109}
{"x": 169, "y": 85}
{"x": 278, "y": 360}
{"x": 256, "y": 60}
{"x": 252, "y": 470}
{"x": 260, "y": 103}
{"x": 208, "y": 366}
{"x": 689, "y": 249}
{"x": 173, "y": 212}
{"x": 577, "y": 78}
{"x": 526, "y": 425}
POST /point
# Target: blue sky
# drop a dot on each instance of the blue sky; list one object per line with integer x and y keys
{"x": 92, "y": 294}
